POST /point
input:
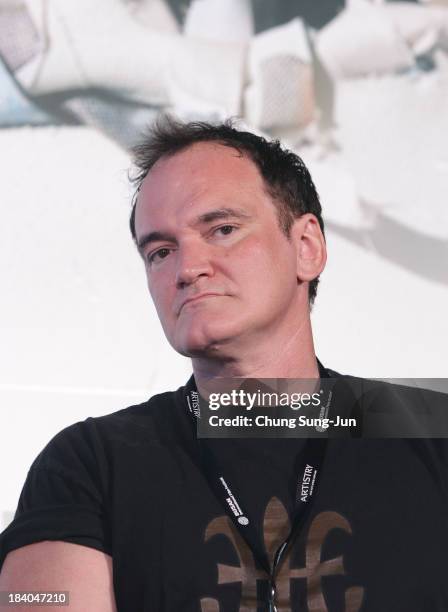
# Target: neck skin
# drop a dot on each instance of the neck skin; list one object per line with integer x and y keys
{"x": 281, "y": 355}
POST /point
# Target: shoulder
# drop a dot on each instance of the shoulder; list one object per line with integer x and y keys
{"x": 399, "y": 391}
{"x": 162, "y": 417}
{"x": 396, "y": 393}
{"x": 94, "y": 440}
{"x": 400, "y": 408}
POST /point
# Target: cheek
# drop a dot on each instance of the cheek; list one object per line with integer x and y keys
{"x": 160, "y": 298}
{"x": 257, "y": 259}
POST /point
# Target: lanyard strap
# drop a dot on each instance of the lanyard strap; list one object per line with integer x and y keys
{"x": 308, "y": 477}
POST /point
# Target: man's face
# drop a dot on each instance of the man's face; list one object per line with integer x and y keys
{"x": 220, "y": 270}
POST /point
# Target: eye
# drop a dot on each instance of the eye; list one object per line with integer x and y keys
{"x": 226, "y": 229}
{"x": 158, "y": 255}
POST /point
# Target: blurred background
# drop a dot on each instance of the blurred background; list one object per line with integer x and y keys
{"x": 358, "y": 88}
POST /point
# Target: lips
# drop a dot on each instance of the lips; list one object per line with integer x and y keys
{"x": 195, "y": 298}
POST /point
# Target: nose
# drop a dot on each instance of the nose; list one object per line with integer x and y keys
{"x": 193, "y": 262}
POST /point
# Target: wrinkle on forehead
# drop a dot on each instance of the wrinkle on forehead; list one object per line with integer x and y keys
{"x": 190, "y": 161}
{"x": 206, "y": 170}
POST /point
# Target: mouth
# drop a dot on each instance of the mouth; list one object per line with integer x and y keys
{"x": 199, "y": 297}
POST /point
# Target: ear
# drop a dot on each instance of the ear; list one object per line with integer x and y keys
{"x": 311, "y": 248}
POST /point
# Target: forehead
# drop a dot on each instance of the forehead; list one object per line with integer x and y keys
{"x": 204, "y": 175}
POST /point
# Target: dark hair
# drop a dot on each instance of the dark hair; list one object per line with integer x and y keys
{"x": 286, "y": 177}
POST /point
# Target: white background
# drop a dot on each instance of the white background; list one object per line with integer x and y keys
{"x": 79, "y": 335}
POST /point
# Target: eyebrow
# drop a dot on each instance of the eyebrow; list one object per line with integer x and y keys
{"x": 207, "y": 217}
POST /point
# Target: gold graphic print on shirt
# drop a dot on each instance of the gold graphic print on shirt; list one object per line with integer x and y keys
{"x": 276, "y": 527}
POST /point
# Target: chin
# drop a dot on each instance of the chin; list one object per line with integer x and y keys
{"x": 205, "y": 340}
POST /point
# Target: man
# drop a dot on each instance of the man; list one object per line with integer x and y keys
{"x": 131, "y": 511}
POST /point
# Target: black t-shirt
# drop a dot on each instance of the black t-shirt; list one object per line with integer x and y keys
{"x": 131, "y": 484}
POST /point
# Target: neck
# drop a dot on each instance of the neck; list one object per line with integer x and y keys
{"x": 274, "y": 357}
